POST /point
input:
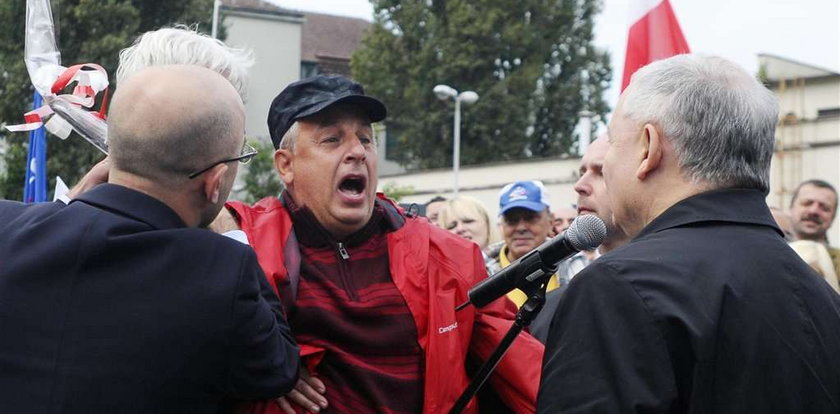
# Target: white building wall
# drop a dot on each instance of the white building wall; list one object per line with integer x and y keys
{"x": 275, "y": 41}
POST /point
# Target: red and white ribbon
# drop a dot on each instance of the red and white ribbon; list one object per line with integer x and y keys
{"x": 88, "y": 84}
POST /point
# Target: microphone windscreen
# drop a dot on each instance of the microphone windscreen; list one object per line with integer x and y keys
{"x": 586, "y": 232}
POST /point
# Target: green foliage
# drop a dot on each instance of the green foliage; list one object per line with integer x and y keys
{"x": 531, "y": 61}
{"x": 87, "y": 31}
{"x": 396, "y": 192}
{"x": 262, "y": 180}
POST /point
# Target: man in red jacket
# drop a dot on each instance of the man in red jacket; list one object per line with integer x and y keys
{"x": 369, "y": 291}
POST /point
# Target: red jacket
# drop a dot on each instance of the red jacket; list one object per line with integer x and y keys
{"x": 433, "y": 270}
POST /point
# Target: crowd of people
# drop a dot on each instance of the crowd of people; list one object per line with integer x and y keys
{"x": 332, "y": 298}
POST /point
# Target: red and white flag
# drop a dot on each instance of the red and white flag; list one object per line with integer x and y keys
{"x": 654, "y": 34}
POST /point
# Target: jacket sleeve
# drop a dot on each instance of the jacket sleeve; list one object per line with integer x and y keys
{"x": 605, "y": 352}
{"x": 517, "y": 376}
{"x": 263, "y": 359}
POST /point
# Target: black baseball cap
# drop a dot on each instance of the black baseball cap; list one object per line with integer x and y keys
{"x": 309, "y": 96}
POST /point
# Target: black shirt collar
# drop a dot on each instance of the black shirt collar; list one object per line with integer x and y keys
{"x": 734, "y": 205}
{"x": 131, "y": 203}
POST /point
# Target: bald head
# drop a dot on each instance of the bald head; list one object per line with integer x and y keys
{"x": 168, "y": 121}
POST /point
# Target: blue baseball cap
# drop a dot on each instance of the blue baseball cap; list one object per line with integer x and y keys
{"x": 524, "y": 194}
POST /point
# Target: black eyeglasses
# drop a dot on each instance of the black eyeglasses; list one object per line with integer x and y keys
{"x": 245, "y": 156}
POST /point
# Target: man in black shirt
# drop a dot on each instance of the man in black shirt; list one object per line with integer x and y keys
{"x": 706, "y": 309}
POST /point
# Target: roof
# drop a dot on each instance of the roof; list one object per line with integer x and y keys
{"x": 258, "y": 6}
{"x": 778, "y": 68}
{"x": 330, "y": 37}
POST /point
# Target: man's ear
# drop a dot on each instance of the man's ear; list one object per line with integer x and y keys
{"x": 283, "y": 161}
{"x": 213, "y": 183}
{"x": 652, "y": 151}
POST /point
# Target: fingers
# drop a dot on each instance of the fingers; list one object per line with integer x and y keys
{"x": 307, "y": 404}
{"x": 308, "y": 396}
{"x": 285, "y": 406}
{"x": 316, "y": 383}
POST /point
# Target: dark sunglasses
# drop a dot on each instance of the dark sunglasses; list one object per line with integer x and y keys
{"x": 245, "y": 156}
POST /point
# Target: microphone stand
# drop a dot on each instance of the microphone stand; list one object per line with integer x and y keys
{"x": 526, "y": 314}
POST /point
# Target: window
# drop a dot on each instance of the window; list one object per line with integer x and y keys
{"x": 828, "y": 113}
{"x": 308, "y": 69}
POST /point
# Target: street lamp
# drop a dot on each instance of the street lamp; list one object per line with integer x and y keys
{"x": 445, "y": 92}
{"x": 215, "y": 28}
{"x": 585, "y": 130}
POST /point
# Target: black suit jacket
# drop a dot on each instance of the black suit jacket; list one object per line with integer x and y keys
{"x": 111, "y": 305}
{"x": 707, "y": 310}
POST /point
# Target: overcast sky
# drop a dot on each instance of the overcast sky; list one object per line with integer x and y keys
{"x": 804, "y": 30}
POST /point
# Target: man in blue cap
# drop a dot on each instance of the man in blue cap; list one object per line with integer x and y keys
{"x": 525, "y": 224}
{"x": 370, "y": 292}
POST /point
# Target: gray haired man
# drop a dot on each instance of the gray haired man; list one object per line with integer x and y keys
{"x": 706, "y": 309}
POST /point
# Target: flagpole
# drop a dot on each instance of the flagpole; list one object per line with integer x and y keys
{"x": 35, "y": 186}
{"x": 215, "y": 29}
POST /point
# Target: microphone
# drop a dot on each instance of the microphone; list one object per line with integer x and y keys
{"x": 585, "y": 233}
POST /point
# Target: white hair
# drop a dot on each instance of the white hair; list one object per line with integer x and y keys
{"x": 720, "y": 119}
{"x": 290, "y": 137}
{"x": 181, "y": 45}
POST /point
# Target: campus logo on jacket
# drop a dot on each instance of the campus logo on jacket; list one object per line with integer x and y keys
{"x": 445, "y": 329}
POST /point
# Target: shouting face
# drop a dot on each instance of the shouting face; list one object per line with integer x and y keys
{"x": 331, "y": 168}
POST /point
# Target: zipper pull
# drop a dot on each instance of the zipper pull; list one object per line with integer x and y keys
{"x": 342, "y": 251}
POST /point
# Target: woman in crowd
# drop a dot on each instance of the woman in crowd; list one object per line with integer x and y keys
{"x": 467, "y": 217}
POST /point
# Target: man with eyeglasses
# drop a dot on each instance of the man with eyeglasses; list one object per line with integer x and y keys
{"x": 120, "y": 301}
{"x": 370, "y": 291}
{"x": 246, "y": 154}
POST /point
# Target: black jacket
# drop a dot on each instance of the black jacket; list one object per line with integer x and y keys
{"x": 112, "y": 305}
{"x": 707, "y": 310}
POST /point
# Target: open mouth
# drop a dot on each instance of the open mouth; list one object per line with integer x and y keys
{"x": 353, "y": 185}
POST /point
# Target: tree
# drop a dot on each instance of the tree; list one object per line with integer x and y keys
{"x": 531, "y": 61}
{"x": 87, "y": 31}
{"x": 261, "y": 179}
{"x": 396, "y": 192}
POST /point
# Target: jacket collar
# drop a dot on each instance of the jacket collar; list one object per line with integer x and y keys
{"x": 130, "y": 203}
{"x": 733, "y": 205}
{"x": 385, "y": 219}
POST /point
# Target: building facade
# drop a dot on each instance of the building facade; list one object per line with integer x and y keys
{"x": 274, "y": 36}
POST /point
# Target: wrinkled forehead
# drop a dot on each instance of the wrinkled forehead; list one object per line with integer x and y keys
{"x": 339, "y": 113}
{"x": 813, "y": 192}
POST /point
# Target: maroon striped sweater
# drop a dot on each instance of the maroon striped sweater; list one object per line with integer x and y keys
{"x": 348, "y": 304}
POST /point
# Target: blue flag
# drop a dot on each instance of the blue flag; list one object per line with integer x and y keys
{"x": 35, "y": 187}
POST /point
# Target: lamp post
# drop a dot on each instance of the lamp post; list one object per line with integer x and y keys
{"x": 444, "y": 92}
{"x": 585, "y": 130}
{"x": 215, "y": 28}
